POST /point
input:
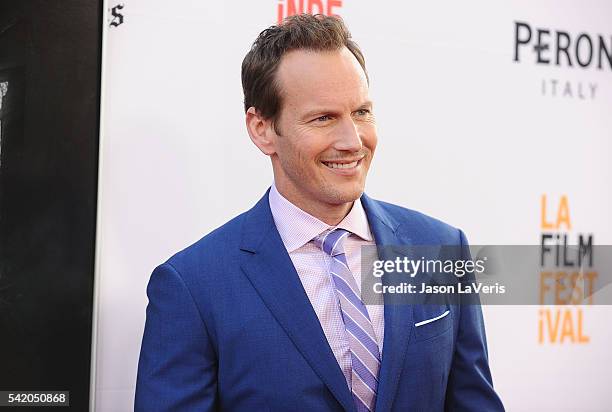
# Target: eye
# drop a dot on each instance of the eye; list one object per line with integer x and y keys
{"x": 323, "y": 118}
{"x": 362, "y": 112}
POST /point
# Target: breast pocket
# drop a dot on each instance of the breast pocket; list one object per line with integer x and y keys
{"x": 431, "y": 321}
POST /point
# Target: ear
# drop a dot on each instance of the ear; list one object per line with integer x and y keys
{"x": 261, "y": 131}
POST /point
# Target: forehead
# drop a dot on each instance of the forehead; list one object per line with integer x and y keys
{"x": 309, "y": 78}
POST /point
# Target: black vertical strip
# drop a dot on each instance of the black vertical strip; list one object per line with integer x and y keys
{"x": 50, "y": 56}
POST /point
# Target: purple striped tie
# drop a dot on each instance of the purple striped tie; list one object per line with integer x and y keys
{"x": 365, "y": 356}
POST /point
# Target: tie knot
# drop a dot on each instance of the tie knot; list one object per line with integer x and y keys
{"x": 331, "y": 241}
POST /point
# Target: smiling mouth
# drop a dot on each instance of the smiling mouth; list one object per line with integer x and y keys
{"x": 343, "y": 164}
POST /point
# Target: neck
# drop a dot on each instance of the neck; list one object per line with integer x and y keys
{"x": 331, "y": 214}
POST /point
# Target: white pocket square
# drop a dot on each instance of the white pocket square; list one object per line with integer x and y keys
{"x": 425, "y": 322}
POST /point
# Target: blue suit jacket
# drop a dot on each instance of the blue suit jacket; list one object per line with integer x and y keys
{"x": 230, "y": 327}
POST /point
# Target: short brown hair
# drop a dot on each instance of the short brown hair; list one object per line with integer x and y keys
{"x": 302, "y": 31}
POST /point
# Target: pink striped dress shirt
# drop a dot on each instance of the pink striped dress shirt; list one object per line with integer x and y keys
{"x": 297, "y": 229}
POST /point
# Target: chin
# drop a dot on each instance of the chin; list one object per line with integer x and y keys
{"x": 340, "y": 196}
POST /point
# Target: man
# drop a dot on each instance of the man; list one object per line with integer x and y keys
{"x": 265, "y": 313}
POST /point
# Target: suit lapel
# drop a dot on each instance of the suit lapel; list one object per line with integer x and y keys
{"x": 398, "y": 317}
{"x": 268, "y": 266}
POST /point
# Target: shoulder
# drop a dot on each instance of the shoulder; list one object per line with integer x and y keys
{"x": 418, "y": 225}
{"x": 214, "y": 250}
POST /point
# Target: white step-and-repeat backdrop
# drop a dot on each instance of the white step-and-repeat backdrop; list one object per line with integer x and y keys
{"x": 493, "y": 117}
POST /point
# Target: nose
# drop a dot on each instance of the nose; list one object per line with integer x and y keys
{"x": 348, "y": 136}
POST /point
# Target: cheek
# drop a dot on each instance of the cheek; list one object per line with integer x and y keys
{"x": 287, "y": 149}
{"x": 304, "y": 146}
{"x": 299, "y": 153}
{"x": 370, "y": 138}
{"x": 311, "y": 148}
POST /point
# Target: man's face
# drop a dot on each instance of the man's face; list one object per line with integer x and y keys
{"x": 327, "y": 134}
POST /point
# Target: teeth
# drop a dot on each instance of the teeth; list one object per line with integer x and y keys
{"x": 341, "y": 165}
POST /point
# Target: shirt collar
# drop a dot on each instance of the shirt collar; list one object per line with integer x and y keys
{"x": 296, "y": 227}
